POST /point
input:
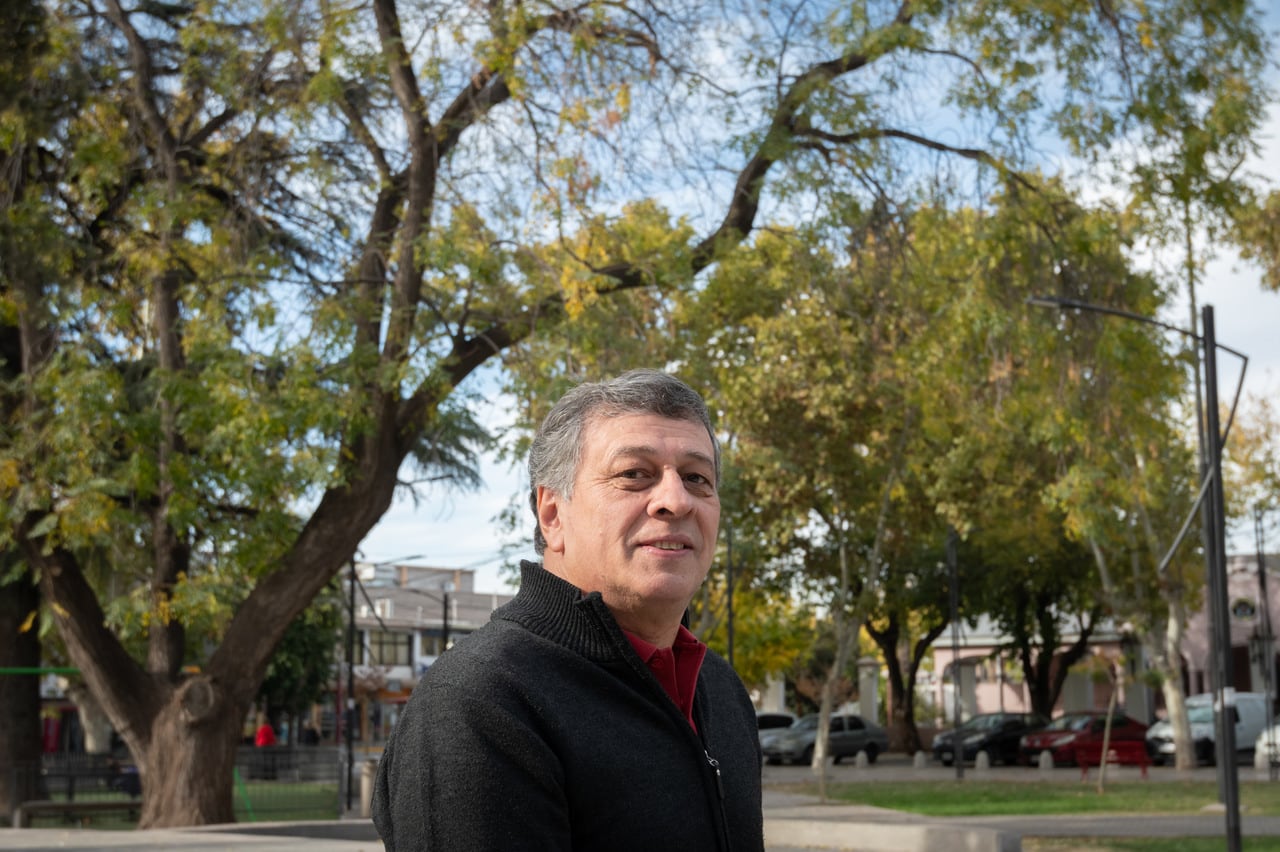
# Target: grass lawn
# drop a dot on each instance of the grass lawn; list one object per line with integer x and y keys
{"x": 984, "y": 798}
{"x": 254, "y": 801}
{"x": 270, "y": 801}
{"x": 1145, "y": 844}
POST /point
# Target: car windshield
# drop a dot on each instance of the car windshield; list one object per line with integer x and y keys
{"x": 1069, "y": 723}
{"x": 982, "y": 723}
{"x": 806, "y": 723}
{"x": 1200, "y": 714}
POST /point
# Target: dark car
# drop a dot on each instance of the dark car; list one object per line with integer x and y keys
{"x": 998, "y": 734}
{"x": 1061, "y": 736}
{"x": 849, "y": 735}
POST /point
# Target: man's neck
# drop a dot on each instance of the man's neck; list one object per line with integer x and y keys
{"x": 661, "y": 634}
{"x": 654, "y": 623}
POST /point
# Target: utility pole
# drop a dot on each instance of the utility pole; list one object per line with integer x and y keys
{"x": 1267, "y": 640}
{"x": 957, "y": 747}
{"x": 1220, "y": 611}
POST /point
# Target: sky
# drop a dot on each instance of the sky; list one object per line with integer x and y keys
{"x": 460, "y": 531}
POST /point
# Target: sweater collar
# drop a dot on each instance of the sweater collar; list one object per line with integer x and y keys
{"x": 554, "y": 608}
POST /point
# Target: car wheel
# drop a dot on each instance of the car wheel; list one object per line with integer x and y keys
{"x": 806, "y": 759}
{"x": 773, "y": 761}
{"x": 836, "y": 758}
{"x": 872, "y": 753}
{"x": 946, "y": 759}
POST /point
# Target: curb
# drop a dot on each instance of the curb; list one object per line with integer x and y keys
{"x": 887, "y": 837}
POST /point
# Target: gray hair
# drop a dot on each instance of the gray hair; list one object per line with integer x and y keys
{"x": 557, "y": 446}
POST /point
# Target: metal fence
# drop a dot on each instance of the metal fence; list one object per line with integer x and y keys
{"x": 271, "y": 783}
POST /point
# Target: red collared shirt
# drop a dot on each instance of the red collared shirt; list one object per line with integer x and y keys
{"x": 676, "y": 668}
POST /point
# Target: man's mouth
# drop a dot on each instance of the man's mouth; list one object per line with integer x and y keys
{"x": 668, "y": 545}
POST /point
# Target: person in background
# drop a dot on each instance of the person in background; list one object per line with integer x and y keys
{"x": 265, "y": 735}
{"x": 585, "y": 715}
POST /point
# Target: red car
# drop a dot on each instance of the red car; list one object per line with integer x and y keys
{"x": 1069, "y": 730}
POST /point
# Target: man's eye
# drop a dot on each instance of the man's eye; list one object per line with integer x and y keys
{"x": 634, "y": 473}
{"x": 700, "y": 481}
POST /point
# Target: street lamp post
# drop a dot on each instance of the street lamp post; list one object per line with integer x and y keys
{"x": 953, "y": 568}
{"x": 443, "y": 599}
{"x": 1225, "y": 700}
{"x": 1212, "y": 504}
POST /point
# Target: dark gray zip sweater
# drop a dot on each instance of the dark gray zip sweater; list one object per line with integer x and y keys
{"x": 544, "y": 730}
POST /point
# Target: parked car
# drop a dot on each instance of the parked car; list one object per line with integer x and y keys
{"x": 1249, "y": 711}
{"x": 998, "y": 734}
{"x": 1267, "y": 745}
{"x": 1086, "y": 729}
{"x": 849, "y": 735}
{"x": 770, "y": 722}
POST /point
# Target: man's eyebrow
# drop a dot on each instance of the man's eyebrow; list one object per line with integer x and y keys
{"x": 647, "y": 450}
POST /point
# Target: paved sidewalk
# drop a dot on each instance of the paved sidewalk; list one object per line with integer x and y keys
{"x": 793, "y": 823}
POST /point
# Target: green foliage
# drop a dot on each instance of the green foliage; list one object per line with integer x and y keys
{"x": 769, "y": 631}
{"x": 1252, "y": 465}
{"x": 948, "y": 799}
{"x": 1257, "y": 232}
{"x": 302, "y": 666}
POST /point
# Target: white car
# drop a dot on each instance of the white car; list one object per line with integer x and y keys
{"x": 1247, "y": 708}
{"x": 1267, "y": 746}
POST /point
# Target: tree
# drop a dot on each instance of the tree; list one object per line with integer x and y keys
{"x": 909, "y": 619}
{"x": 1253, "y": 458}
{"x": 20, "y": 742}
{"x": 1191, "y": 187}
{"x": 275, "y": 241}
{"x": 28, "y": 106}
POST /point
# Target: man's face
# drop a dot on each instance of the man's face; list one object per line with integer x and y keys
{"x": 641, "y": 525}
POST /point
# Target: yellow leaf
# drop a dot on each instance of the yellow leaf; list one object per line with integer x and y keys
{"x": 26, "y": 625}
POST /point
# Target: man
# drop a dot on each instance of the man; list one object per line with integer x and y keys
{"x": 584, "y": 715}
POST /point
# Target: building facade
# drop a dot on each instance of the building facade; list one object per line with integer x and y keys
{"x": 405, "y": 616}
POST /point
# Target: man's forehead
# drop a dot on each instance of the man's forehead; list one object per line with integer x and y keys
{"x": 622, "y": 436}
{"x": 633, "y": 450}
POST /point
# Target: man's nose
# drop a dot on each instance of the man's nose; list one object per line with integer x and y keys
{"x": 670, "y": 495}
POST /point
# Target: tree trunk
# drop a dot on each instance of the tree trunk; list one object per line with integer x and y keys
{"x": 901, "y": 676}
{"x": 1169, "y": 663}
{"x": 96, "y": 725}
{"x": 187, "y": 769}
{"x": 846, "y": 636}
{"x": 19, "y": 695}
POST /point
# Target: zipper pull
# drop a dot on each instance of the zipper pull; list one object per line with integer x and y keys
{"x": 715, "y": 767}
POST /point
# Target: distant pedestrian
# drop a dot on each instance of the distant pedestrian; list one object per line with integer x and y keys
{"x": 585, "y": 715}
{"x": 265, "y": 736}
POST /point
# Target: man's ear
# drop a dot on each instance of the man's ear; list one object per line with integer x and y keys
{"x": 549, "y": 519}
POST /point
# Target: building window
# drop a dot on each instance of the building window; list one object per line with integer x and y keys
{"x": 388, "y": 649}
